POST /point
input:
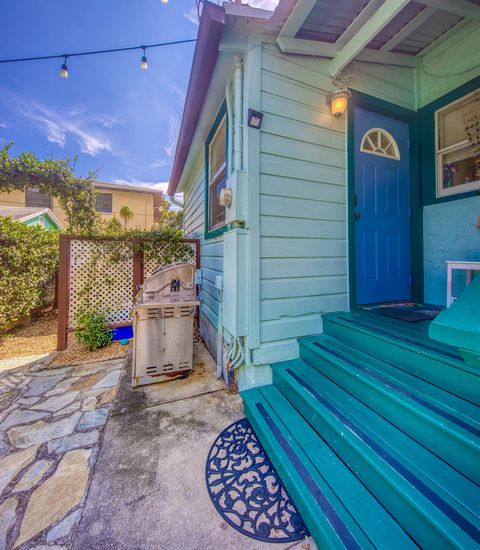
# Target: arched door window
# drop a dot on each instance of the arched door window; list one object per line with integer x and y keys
{"x": 380, "y": 142}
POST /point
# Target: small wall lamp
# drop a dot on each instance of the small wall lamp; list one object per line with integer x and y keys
{"x": 338, "y": 101}
{"x": 254, "y": 118}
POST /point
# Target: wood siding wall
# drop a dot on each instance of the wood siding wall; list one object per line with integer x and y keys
{"x": 303, "y": 246}
{"x": 211, "y": 251}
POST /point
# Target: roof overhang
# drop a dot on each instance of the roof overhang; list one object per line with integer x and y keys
{"x": 395, "y": 32}
{"x": 210, "y": 32}
{"x": 127, "y": 188}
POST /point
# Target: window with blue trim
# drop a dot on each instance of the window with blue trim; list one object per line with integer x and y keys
{"x": 216, "y": 149}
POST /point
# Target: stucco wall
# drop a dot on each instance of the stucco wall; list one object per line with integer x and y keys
{"x": 140, "y": 203}
{"x": 450, "y": 233}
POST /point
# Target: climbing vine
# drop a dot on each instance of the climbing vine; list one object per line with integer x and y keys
{"x": 54, "y": 177}
{"x": 113, "y": 251}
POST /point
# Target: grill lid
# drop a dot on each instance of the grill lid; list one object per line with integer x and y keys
{"x": 171, "y": 284}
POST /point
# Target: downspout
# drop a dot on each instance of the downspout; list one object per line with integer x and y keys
{"x": 174, "y": 201}
{"x": 228, "y": 99}
{"x": 238, "y": 115}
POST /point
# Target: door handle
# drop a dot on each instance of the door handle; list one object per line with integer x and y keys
{"x": 357, "y": 215}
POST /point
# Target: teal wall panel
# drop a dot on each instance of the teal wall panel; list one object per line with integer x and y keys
{"x": 450, "y": 233}
{"x": 302, "y": 204}
{"x": 211, "y": 250}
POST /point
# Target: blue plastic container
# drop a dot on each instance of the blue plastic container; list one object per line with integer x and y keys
{"x": 122, "y": 333}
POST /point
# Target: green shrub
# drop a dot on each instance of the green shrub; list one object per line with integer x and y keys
{"x": 93, "y": 331}
{"x": 28, "y": 263}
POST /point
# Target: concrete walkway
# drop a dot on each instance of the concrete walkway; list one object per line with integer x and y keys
{"x": 148, "y": 490}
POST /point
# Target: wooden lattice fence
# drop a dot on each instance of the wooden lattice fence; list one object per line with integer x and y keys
{"x": 111, "y": 286}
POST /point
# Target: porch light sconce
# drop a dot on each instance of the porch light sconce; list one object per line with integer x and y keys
{"x": 254, "y": 119}
{"x": 338, "y": 101}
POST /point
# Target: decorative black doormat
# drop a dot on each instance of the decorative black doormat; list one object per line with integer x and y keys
{"x": 246, "y": 490}
{"x": 407, "y": 311}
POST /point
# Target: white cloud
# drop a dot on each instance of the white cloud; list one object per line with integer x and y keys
{"x": 192, "y": 15}
{"x": 161, "y": 163}
{"x": 3, "y": 125}
{"x": 59, "y": 125}
{"x": 173, "y": 122}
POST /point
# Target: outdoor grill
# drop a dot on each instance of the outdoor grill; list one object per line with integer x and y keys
{"x": 163, "y": 325}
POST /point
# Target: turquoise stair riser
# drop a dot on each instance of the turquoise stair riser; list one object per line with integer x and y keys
{"x": 456, "y": 445}
{"x": 451, "y": 375}
{"x": 363, "y": 509}
{"x": 392, "y": 486}
{"x": 298, "y": 488}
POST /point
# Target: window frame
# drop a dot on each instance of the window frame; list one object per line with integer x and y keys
{"x": 440, "y": 191}
{"x": 212, "y": 232}
{"x": 29, "y": 190}
{"x": 98, "y": 194}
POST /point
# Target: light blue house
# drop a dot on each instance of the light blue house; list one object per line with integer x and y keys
{"x": 308, "y": 214}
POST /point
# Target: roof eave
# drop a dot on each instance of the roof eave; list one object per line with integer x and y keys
{"x": 204, "y": 59}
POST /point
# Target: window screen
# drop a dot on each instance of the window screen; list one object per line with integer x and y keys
{"x": 34, "y": 197}
{"x": 104, "y": 203}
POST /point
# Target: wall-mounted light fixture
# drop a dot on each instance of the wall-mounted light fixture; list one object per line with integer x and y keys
{"x": 254, "y": 118}
{"x": 338, "y": 101}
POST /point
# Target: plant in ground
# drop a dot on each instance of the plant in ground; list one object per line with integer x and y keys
{"x": 28, "y": 263}
{"x": 126, "y": 213}
{"x": 94, "y": 331}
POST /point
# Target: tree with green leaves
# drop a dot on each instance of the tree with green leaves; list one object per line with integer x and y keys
{"x": 169, "y": 217}
{"x": 126, "y": 213}
{"x": 55, "y": 177}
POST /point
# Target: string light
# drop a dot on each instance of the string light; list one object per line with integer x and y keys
{"x": 64, "y": 69}
{"x": 144, "y": 64}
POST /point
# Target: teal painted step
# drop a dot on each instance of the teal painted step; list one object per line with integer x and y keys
{"x": 431, "y": 416}
{"x": 436, "y": 505}
{"x": 339, "y": 511}
{"x": 459, "y": 325}
{"x": 408, "y": 349}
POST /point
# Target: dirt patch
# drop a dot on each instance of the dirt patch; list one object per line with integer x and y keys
{"x": 77, "y": 354}
{"x": 38, "y": 338}
{"x": 41, "y": 337}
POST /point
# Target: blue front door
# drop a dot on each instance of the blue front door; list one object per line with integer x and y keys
{"x": 382, "y": 209}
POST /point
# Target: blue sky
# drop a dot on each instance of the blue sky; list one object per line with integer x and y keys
{"x": 118, "y": 119}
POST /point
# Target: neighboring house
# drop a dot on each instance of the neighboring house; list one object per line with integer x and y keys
{"x": 143, "y": 201}
{"x": 313, "y": 214}
{"x": 32, "y": 216}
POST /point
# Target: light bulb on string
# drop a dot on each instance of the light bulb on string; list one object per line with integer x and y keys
{"x": 144, "y": 64}
{"x": 64, "y": 69}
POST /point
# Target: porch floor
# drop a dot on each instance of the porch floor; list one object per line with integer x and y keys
{"x": 416, "y": 332}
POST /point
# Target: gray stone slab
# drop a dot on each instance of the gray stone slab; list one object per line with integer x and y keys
{"x": 55, "y": 403}
{"x": 33, "y": 475}
{"x": 41, "y": 431}
{"x": 93, "y": 419}
{"x": 64, "y": 528}
{"x": 108, "y": 381}
{"x": 7, "y": 519}
{"x": 18, "y": 417}
{"x": 74, "y": 441}
{"x": 41, "y": 384}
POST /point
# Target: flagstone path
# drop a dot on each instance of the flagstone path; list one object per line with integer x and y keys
{"x": 51, "y": 424}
